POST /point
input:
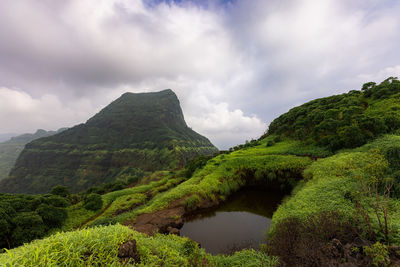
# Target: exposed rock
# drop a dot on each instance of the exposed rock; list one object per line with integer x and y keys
{"x": 170, "y": 219}
{"x": 159, "y": 221}
{"x": 173, "y": 230}
{"x": 128, "y": 251}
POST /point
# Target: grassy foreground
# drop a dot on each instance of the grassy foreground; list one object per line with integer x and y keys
{"x": 99, "y": 247}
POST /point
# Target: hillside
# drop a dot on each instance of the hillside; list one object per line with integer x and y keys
{"x": 135, "y": 133}
{"x": 344, "y": 121}
{"x": 10, "y": 150}
{"x": 343, "y": 207}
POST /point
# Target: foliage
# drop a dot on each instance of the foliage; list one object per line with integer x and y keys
{"x": 356, "y": 182}
{"x": 60, "y": 190}
{"x": 98, "y": 246}
{"x": 194, "y": 164}
{"x": 303, "y": 242}
{"x": 344, "y": 121}
{"x": 248, "y": 257}
{"x": 93, "y": 202}
{"x": 379, "y": 254}
{"x": 120, "y": 201}
{"x": 24, "y": 218}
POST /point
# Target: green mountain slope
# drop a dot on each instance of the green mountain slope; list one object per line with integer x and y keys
{"x": 10, "y": 150}
{"x": 344, "y": 121}
{"x": 143, "y": 131}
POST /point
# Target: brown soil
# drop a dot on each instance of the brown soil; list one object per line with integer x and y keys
{"x": 168, "y": 220}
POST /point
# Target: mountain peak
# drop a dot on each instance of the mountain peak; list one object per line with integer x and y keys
{"x": 145, "y": 131}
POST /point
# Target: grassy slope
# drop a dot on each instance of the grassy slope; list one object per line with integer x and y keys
{"x": 99, "y": 247}
{"x": 331, "y": 184}
{"x": 221, "y": 176}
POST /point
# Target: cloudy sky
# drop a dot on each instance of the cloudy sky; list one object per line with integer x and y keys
{"x": 235, "y": 65}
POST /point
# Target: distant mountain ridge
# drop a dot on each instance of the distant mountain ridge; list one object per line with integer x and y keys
{"x": 10, "y": 149}
{"x": 138, "y": 131}
{"x": 6, "y": 136}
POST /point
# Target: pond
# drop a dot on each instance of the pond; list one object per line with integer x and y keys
{"x": 240, "y": 222}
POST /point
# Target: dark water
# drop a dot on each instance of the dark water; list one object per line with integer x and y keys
{"x": 241, "y": 222}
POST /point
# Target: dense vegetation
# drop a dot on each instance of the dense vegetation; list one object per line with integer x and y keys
{"x": 344, "y": 121}
{"x": 135, "y": 133}
{"x": 9, "y": 150}
{"x": 24, "y": 218}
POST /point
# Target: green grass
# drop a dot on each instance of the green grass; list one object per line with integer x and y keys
{"x": 99, "y": 247}
{"x": 79, "y": 216}
{"x": 221, "y": 176}
{"x": 248, "y": 258}
{"x": 332, "y": 184}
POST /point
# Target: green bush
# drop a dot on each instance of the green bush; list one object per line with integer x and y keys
{"x": 378, "y": 253}
{"x": 93, "y": 202}
{"x": 60, "y": 190}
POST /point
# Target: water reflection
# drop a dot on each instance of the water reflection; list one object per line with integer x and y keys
{"x": 241, "y": 222}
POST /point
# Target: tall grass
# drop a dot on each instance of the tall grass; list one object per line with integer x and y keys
{"x": 99, "y": 247}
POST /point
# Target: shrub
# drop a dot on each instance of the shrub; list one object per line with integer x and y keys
{"x": 300, "y": 242}
{"x": 60, "y": 190}
{"x": 270, "y": 143}
{"x": 93, "y": 202}
{"x": 52, "y": 216}
{"x": 378, "y": 253}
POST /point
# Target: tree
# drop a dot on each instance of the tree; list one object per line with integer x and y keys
{"x": 52, "y": 216}
{"x": 93, "y": 202}
{"x": 60, "y": 190}
{"x": 6, "y": 225}
{"x": 374, "y": 194}
{"x": 29, "y": 226}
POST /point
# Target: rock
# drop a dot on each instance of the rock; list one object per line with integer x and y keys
{"x": 173, "y": 230}
{"x": 129, "y": 251}
{"x": 337, "y": 244}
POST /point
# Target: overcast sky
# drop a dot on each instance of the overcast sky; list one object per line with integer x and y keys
{"x": 235, "y": 65}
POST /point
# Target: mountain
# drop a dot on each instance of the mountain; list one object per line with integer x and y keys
{"x": 136, "y": 132}
{"x": 6, "y": 136}
{"x": 10, "y": 149}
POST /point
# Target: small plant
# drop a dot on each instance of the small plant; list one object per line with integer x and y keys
{"x": 379, "y": 254}
{"x": 60, "y": 190}
{"x": 189, "y": 247}
{"x": 192, "y": 201}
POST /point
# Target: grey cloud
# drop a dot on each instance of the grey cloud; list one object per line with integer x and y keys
{"x": 245, "y": 61}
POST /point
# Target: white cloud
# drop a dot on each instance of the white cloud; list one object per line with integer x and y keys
{"x": 226, "y": 127}
{"x": 20, "y": 112}
{"x": 380, "y": 75}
